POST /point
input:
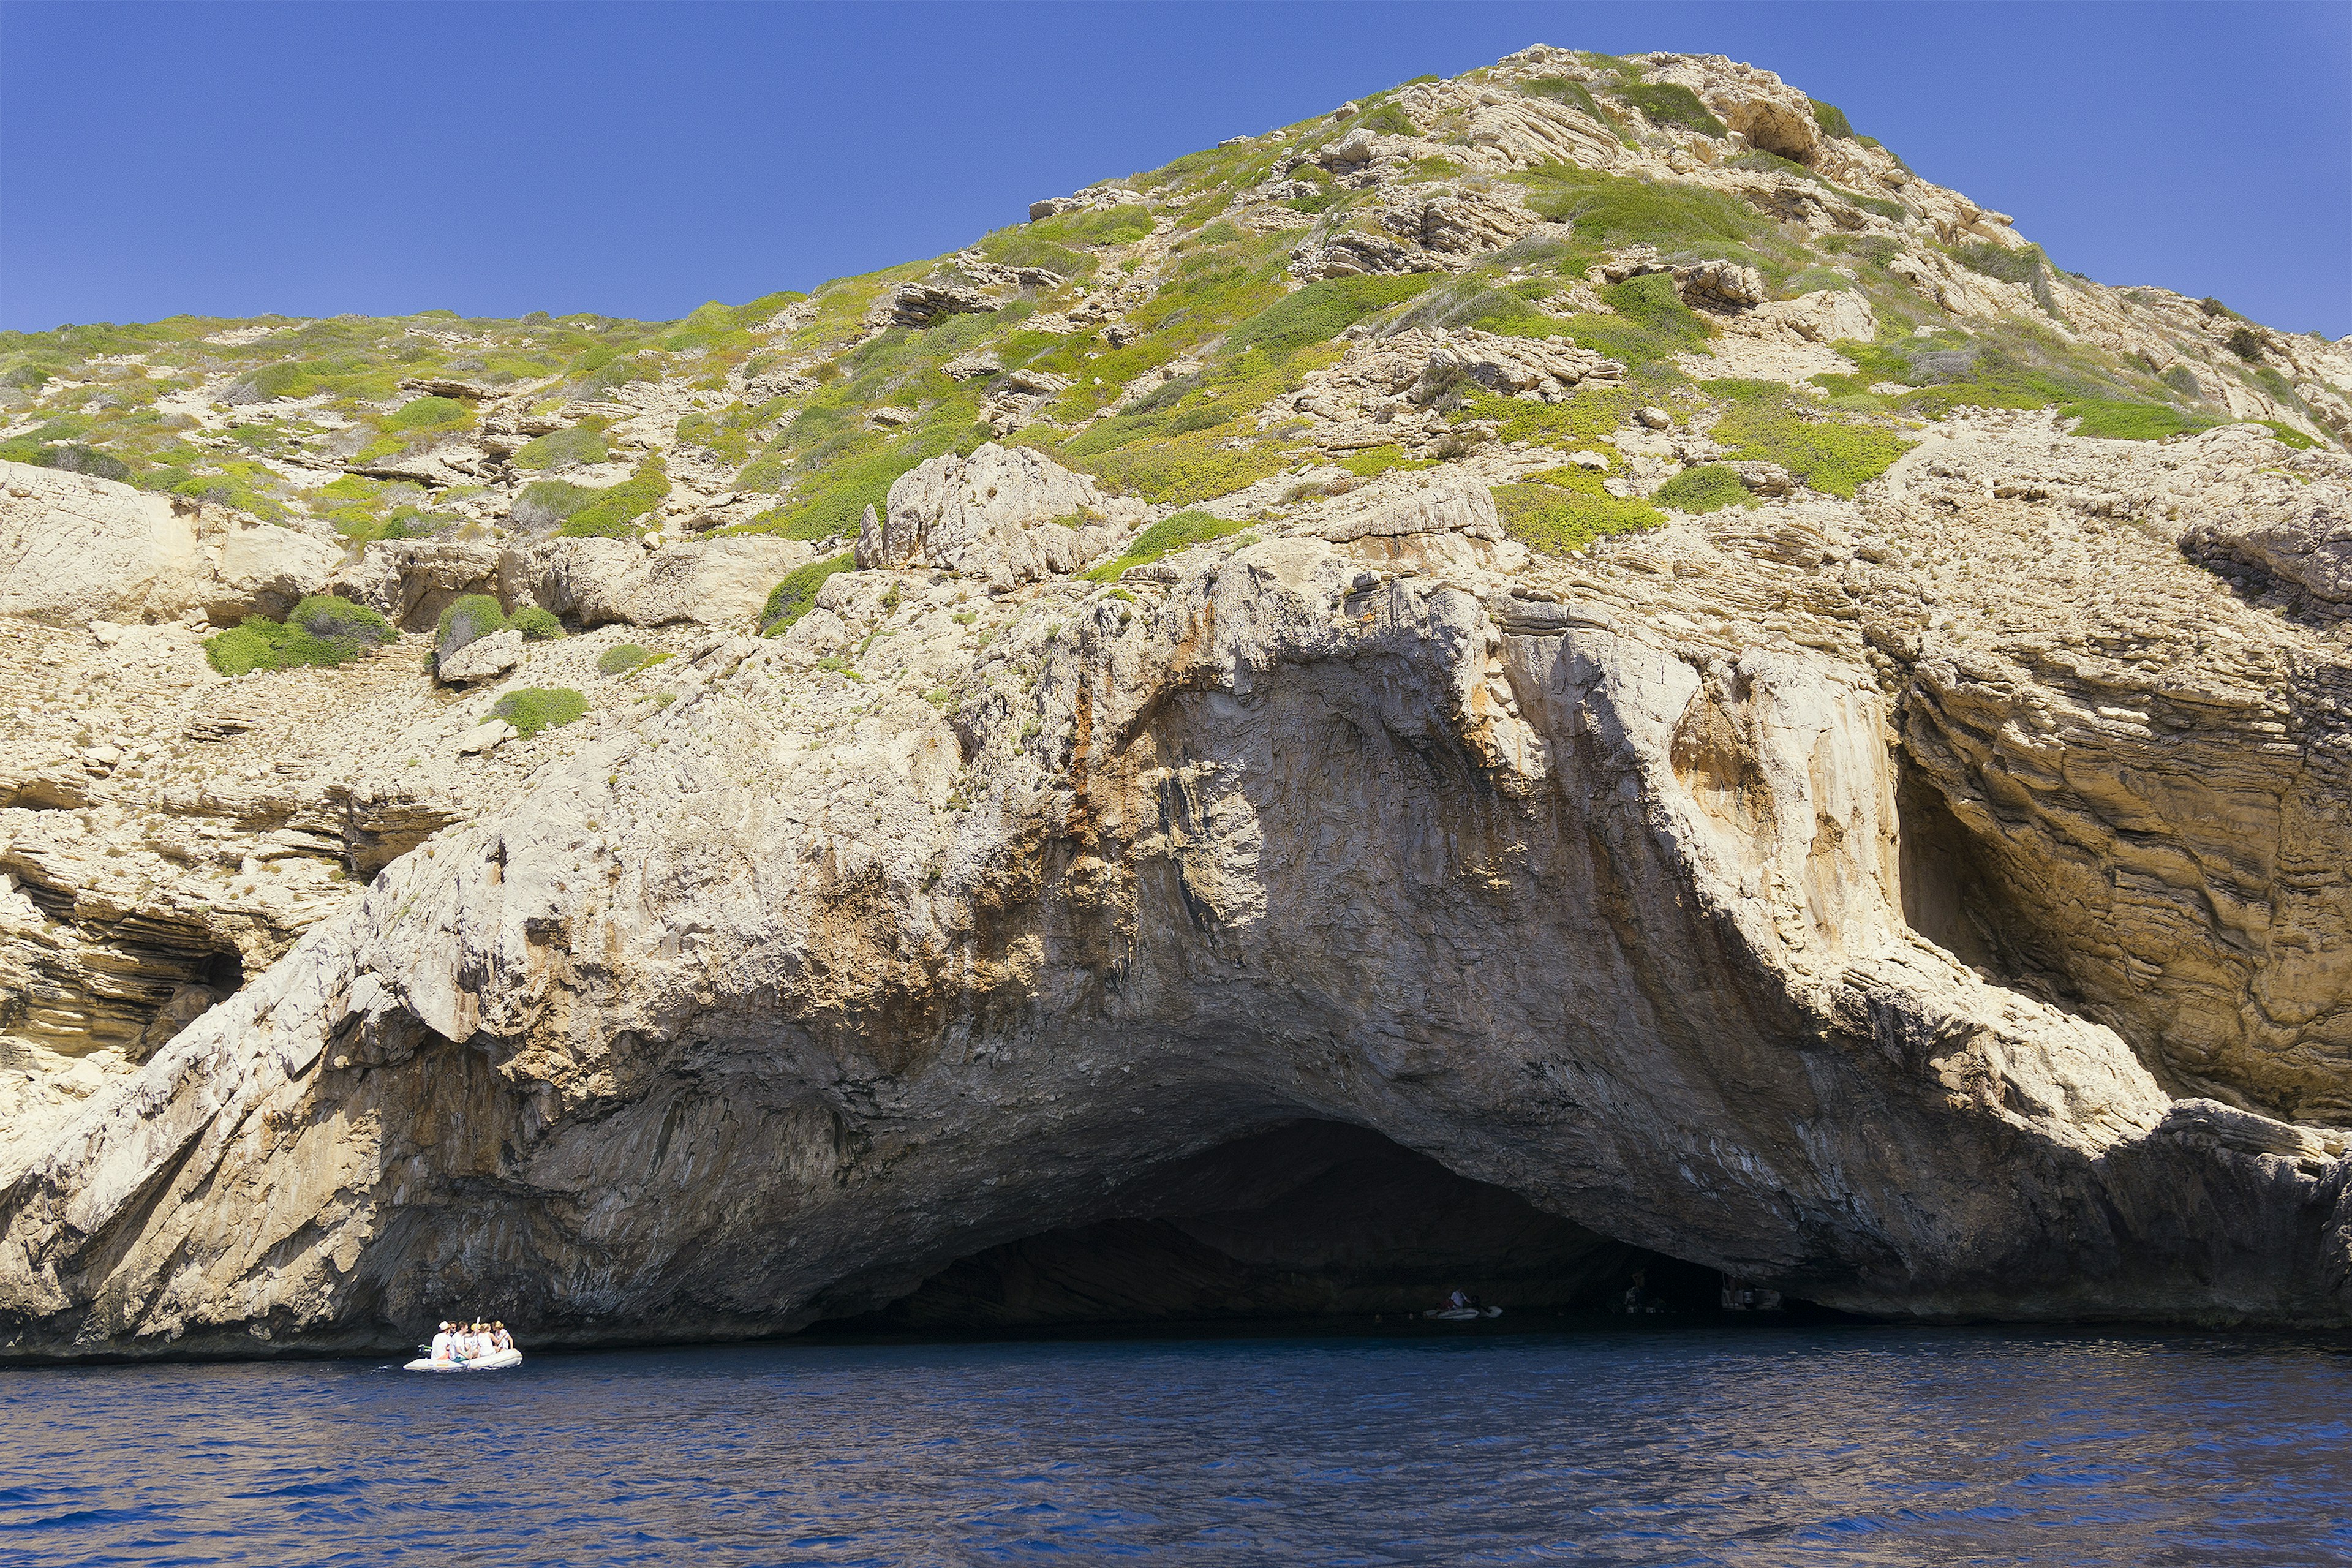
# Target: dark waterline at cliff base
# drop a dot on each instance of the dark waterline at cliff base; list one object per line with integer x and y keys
{"x": 1745, "y": 1444}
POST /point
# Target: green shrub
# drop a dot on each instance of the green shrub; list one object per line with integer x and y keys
{"x": 1709, "y": 486}
{"x": 76, "y": 458}
{"x": 1560, "y": 510}
{"x": 535, "y": 624}
{"x": 2183, "y": 380}
{"x": 1169, "y": 535}
{"x": 469, "y": 620}
{"x": 623, "y": 658}
{"x": 536, "y": 708}
{"x": 260, "y": 643}
{"x": 1834, "y": 459}
{"x": 1121, "y": 225}
{"x": 1833, "y": 121}
{"x": 615, "y": 512}
{"x": 1321, "y": 311}
{"x": 429, "y": 414}
{"x": 1652, "y": 322}
{"x": 562, "y": 449}
{"x": 1671, "y": 105}
{"x": 793, "y": 598}
{"x": 2245, "y": 342}
{"x": 544, "y": 504}
{"x": 1385, "y": 120}
{"x": 331, "y": 617}
{"x": 2000, "y": 261}
{"x": 1575, "y": 95}
{"x": 1178, "y": 469}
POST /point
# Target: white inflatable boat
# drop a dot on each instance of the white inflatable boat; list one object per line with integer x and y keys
{"x": 490, "y": 1362}
{"x": 1462, "y": 1314}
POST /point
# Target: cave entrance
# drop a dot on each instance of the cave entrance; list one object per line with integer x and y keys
{"x": 1310, "y": 1219}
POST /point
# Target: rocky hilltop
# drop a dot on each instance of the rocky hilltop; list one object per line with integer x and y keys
{"x": 1555, "y": 673}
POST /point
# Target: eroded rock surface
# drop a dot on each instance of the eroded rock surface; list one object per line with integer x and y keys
{"x": 1915, "y": 881}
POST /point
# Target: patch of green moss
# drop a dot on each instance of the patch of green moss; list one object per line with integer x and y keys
{"x": 1706, "y": 487}
{"x": 2117, "y": 421}
{"x": 1169, "y": 535}
{"x": 1560, "y": 510}
{"x": 1835, "y": 459}
{"x": 793, "y": 598}
{"x": 2288, "y": 433}
{"x": 1180, "y": 469}
{"x": 536, "y": 708}
{"x": 1833, "y": 121}
{"x": 1373, "y": 461}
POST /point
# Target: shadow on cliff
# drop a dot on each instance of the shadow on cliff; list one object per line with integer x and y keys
{"x": 1307, "y": 1221}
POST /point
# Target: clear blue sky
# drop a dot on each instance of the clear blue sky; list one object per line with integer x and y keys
{"x": 234, "y": 158}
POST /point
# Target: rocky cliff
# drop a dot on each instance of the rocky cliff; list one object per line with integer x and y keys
{"x": 1555, "y": 672}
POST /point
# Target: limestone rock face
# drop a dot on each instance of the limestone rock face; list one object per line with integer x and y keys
{"x": 411, "y": 581}
{"x": 1921, "y": 889}
{"x": 718, "y": 1029}
{"x": 87, "y": 548}
{"x": 710, "y": 582}
{"x": 1002, "y": 514}
{"x": 1824, "y": 316}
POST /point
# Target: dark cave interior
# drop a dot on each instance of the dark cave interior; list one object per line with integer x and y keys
{"x": 1307, "y": 1220}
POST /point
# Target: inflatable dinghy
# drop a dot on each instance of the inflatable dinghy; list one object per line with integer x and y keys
{"x": 1462, "y": 1314}
{"x": 491, "y": 1362}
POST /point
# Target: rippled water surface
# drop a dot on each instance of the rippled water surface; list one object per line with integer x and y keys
{"x": 1759, "y": 1444}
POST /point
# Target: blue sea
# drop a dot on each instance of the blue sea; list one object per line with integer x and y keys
{"x": 1746, "y": 1444}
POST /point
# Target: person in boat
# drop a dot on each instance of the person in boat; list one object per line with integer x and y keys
{"x": 1458, "y": 1300}
{"x": 501, "y": 1342}
{"x": 442, "y": 1345}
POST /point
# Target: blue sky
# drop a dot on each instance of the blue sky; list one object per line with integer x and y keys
{"x": 234, "y": 159}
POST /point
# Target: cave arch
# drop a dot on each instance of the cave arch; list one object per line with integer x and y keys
{"x": 1309, "y": 1220}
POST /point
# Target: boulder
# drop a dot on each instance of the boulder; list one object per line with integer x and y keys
{"x": 484, "y": 658}
{"x": 90, "y": 549}
{"x": 1008, "y": 514}
{"x": 710, "y": 582}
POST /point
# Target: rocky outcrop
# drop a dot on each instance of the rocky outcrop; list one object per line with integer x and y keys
{"x": 84, "y": 549}
{"x": 478, "y": 659}
{"x": 773, "y": 1020}
{"x": 1439, "y": 854}
{"x": 411, "y": 581}
{"x": 1006, "y": 514}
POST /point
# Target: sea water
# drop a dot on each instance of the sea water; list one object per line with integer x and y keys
{"x": 1735, "y": 1445}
